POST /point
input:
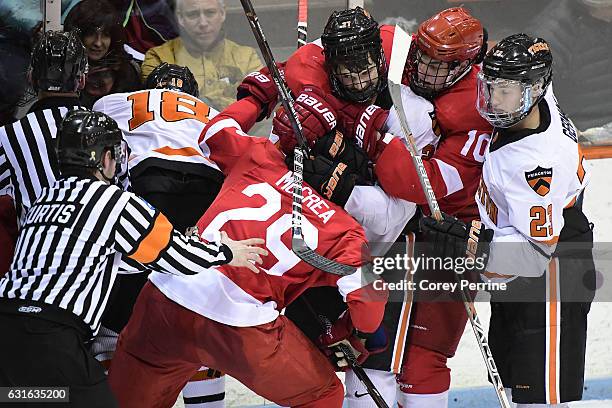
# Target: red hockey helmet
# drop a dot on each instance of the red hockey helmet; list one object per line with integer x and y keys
{"x": 446, "y": 45}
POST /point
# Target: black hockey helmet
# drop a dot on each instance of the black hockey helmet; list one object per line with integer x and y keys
{"x": 353, "y": 55}
{"x": 171, "y": 76}
{"x": 521, "y": 64}
{"x": 58, "y": 62}
{"x": 84, "y": 136}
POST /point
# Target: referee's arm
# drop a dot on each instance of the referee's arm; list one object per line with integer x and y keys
{"x": 146, "y": 236}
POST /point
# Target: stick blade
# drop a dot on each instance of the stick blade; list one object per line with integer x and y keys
{"x": 309, "y": 256}
{"x": 399, "y": 55}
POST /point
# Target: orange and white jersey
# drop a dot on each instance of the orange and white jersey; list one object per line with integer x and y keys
{"x": 160, "y": 124}
{"x": 528, "y": 178}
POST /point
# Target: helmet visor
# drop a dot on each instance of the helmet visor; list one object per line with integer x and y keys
{"x": 503, "y": 102}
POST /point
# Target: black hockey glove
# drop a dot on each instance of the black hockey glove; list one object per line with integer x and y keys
{"x": 331, "y": 179}
{"x": 337, "y": 148}
{"x": 452, "y": 238}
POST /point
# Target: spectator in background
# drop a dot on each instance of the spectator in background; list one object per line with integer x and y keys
{"x": 579, "y": 33}
{"x": 111, "y": 68}
{"x": 217, "y": 63}
{"x": 148, "y": 23}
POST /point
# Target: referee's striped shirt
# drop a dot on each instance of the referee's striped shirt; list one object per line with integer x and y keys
{"x": 28, "y": 160}
{"x": 70, "y": 244}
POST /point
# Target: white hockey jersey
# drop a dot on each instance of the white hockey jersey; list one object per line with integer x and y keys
{"x": 528, "y": 178}
{"x": 382, "y": 216}
{"x": 160, "y": 124}
{"x": 420, "y": 116}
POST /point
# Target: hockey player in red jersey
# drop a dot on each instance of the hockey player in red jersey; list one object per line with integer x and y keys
{"x": 232, "y": 321}
{"x": 441, "y": 68}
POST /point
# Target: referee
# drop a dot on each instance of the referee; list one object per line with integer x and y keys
{"x": 66, "y": 261}
{"x": 27, "y": 154}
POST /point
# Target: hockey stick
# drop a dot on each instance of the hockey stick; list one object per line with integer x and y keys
{"x": 302, "y": 25}
{"x": 299, "y": 246}
{"x": 399, "y": 55}
{"x": 350, "y": 358}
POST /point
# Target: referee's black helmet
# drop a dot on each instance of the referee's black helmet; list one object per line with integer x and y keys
{"x": 84, "y": 136}
{"x": 58, "y": 62}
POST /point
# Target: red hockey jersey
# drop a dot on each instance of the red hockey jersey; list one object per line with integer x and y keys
{"x": 454, "y": 169}
{"x": 255, "y": 202}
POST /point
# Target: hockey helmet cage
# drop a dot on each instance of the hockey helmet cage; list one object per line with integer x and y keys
{"x": 353, "y": 55}
{"x": 445, "y": 47}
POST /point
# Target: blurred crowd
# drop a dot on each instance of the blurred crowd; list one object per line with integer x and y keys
{"x": 126, "y": 39}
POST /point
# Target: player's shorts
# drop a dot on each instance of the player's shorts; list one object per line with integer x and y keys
{"x": 164, "y": 344}
{"x": 539, "y": 347}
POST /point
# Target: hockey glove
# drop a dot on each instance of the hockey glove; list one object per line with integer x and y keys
{"x": 452, "y": 238}
{"x": 335, "y": 147}
{"x": 330, "y": 179}
{"x": 261, "y": 86}
{"x": 316, "y": 116}
{"x": 341, "y": 339}
{"x": 364, "y": 123}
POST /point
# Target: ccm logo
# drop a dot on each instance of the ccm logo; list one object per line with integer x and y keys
{"x": 29, "y": 309}
{"x": 361, "y": 126}
{"x": 315, "y": 104}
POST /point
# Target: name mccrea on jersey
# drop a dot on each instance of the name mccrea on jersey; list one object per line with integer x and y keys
{"x": 310, "y": 200}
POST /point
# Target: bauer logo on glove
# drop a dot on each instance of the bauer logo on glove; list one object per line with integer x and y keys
{"x": 333, "y": 181}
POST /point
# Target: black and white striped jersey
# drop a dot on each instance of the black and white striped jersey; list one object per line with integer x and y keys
{"x": 72, "y": 238}
{"x": 28, "y": 160}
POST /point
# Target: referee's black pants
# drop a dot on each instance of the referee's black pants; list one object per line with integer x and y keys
{"x": 39, "y": 352}
{"x": 182, "y": 198}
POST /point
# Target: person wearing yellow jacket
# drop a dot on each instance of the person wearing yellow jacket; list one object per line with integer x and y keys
{"x": 217, "y": 63}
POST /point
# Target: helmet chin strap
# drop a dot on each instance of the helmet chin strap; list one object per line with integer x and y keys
{"x": 101, "y": 170}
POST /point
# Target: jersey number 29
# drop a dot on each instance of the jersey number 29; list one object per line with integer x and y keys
{"x": 286, "y": 258}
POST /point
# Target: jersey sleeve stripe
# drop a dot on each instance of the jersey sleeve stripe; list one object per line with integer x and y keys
{"x": 135, "y": 224}
{"x": 183, "y": 151}
{"x": 451, "y": 177}
{"x": 220, "y": 125}
{"x": 154, "y": 242}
